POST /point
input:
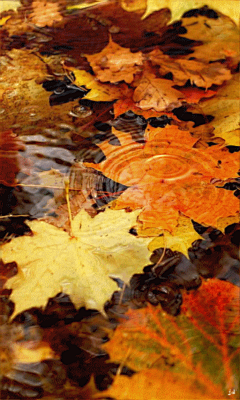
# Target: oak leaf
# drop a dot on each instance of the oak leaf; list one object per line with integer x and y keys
{"x": 202, "y": 340}
{"x": 167, "y": 175}
{"x": 52, "y": 261}
{"x": 199, "y": 73}
{"x": 115, "y": 63}
{"x": 225, "y": 110}
{"x": 157, "y": 94}
{"x": 180, "y": 240}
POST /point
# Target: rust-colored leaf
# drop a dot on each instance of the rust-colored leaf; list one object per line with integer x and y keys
{"x": 202, "y": 340}
{"x": 180, "y": 175}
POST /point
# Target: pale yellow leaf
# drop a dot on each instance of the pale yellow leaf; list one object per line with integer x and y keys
{"x": 224, "y": 107}
{"x": 230, "y": 8}
{"x": 51, "y": 261}
{"x": 180, "y": 240}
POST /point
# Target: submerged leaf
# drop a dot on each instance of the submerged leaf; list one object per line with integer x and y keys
{"x": 52, "y": 261}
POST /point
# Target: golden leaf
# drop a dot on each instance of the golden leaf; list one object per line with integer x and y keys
{"x": 51, "y": 261}
{"x": 9, "y": 5}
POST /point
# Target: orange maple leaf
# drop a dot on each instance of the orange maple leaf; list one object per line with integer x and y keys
{"x": 115, "y": 63}
{"x": 168, "y": 175}
{"x": 198, "y": 343}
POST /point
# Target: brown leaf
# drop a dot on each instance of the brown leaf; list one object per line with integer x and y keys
{"x": 156, "y": 93}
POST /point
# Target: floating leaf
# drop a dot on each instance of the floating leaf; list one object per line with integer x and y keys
{"x": 51, "y": 261}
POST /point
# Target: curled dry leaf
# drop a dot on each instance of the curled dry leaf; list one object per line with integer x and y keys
{"x": 115, "y": 63}
{"x": 9, "y": 157}
{"x": 202, "y": 340}
{"x": 52, "y": 261}
{"x": 199, "y": 73}
{"x": 157, "y": 94}
{"x": 180, "y": 174}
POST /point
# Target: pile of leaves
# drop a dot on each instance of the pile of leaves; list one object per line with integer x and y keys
{"x": 119, "y": 188}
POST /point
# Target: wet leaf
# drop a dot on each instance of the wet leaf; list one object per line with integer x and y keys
{"x": 195, "y": 344}
{"x": 52, "y": 261}
{"x": 180, "y": 240}
{"x": 180, "y": 174}
{"x": 45, "y": 13}
{"x": 115, "y": 63}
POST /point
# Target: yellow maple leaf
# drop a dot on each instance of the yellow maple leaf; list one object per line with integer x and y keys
{"x": 180, "y": 240}
{"x": 178, "y": 8}
{"x": 52, "y": 261}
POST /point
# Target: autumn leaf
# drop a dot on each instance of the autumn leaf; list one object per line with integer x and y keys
{"x": 115, "y": 63}
{"x": 180, "y": 174}
{"x": 225, "y": 110}
{"x": 194, "y": 95}
{"x": 52, "y": 261}
{"x": 202, "y": 340}
{"x": 123, "y": 105}
{"x": 199, "y": 73}
{"x": 180, "y": 240}
{"x": 9, "y": 157}
{"x": 157, "y": 94}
